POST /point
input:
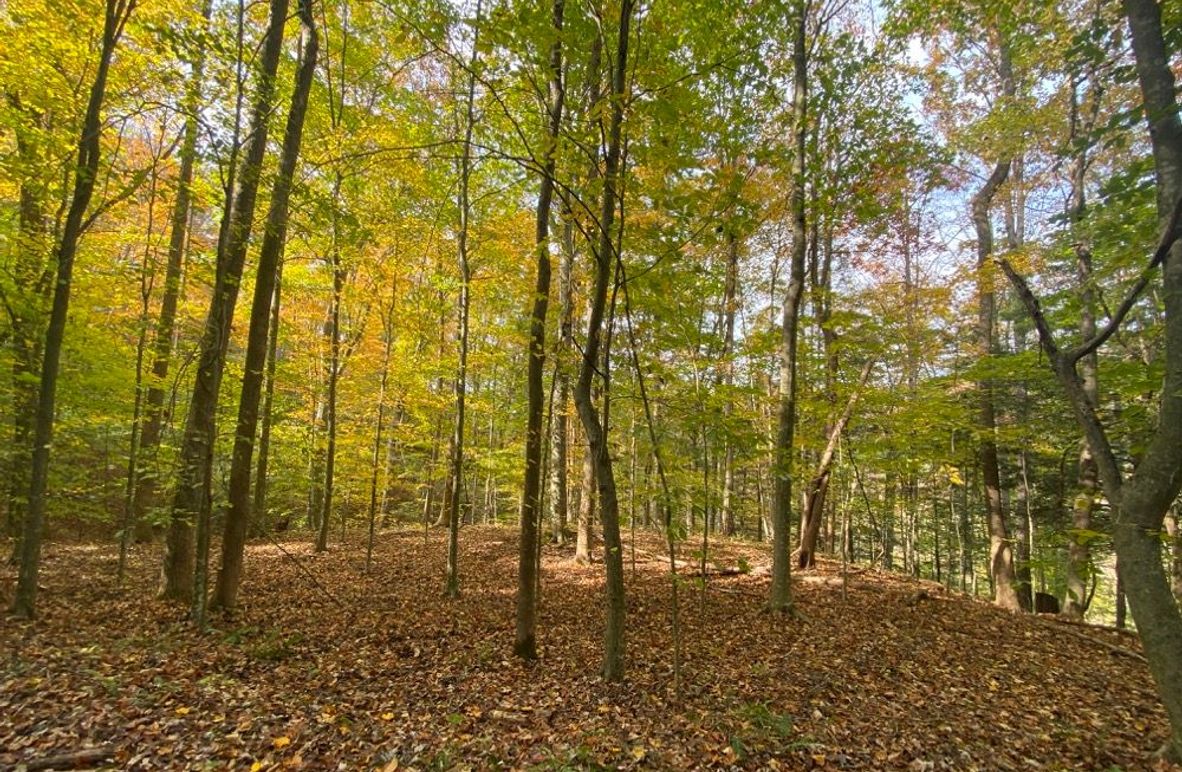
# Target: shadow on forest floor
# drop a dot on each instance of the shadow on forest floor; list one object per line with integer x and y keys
{"x": 382, "y": 671}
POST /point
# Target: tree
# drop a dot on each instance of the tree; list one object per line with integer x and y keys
{"x": 191, "y": 500}
{"x": 1140, "y": 499}
{"x": 85, "y": 175}
{"x": 589, "y": 413}
{"x": 266, "y": 279}
{"x": 154, "y": 407}
{"x": 780, "y": 598}
{"x": 525, "y": 645}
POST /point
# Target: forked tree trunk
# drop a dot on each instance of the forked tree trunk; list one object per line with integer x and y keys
{"x": 814, "y": 502}
{"x": 266, "y": 277}
{"x": 589, "y": 413}
{"x": 1140, "y": 500}
{"x": 191, "y": 500}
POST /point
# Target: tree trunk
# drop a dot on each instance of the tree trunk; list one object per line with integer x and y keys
{"x": 814, "y": 502}
{"x": 266, "y": 277}
{"x": 154, "y": 411}
{"x": 584, "y": 529}
{"x": 1140, "y": 501}
{"x": 729, "y": 307}
{"x": 191, "y": 500}
{"x": 589, "y": 414}
{"x": 259, "y": 507}
{"x": 525, "y": 644}
{"x": 333, "y": 329}
{"x": 85, "y": 173}
{"x": 780, "y": 599}
{"x": 375, "y": 465}
{"x": 559, "y": 491}
{"x": 456, "y": 472}
{"x": 32, "y": 276}
{"x": 1001, "y": 559}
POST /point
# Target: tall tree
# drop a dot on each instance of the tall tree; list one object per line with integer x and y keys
{"x": 1140, "y": 499}
{"x": 589, "y": 412}
{"x": 191, "y": 501}
{"x": 1001, "y": 555}
{"x": 525, "y": 645}
{"x": 780, "y": 598}
{"x": 178, "y": 239}
{"x": 85, "y": 176}
{"x": 464, "y": 306}
{"x": 266, "y": 277}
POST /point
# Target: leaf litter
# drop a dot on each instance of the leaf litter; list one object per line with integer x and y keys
{"x": 382, "y": 671}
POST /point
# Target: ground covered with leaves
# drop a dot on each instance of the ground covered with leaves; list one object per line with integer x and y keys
{"x": 326, "y": 666}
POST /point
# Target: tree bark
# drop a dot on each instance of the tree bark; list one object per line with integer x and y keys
{"x": 375, "y": 465}
{"x": 584, "y": 526}
{"x": 1001, "y": 557}
{"x": 729, "y": 307}
{"x": 456, "y": 472}
{"x": 333, "y": 330}
{"x": 259, "y": 507}
{"x": 1140, "y": 500}
{"x": 266, "y": 278}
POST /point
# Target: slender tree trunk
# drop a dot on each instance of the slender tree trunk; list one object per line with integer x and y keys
{"x": 85, "y": 173}
{"x": 814, "y": 502}
{"x": 266, "y": 278}
{"x": 589, "y": 414}
{"x": 127, "y": 522}
{"x": 154, "y": 411}
{"x": 559, "y": 494}
{"x": 33, "y": 284}
{"x": 183, "y": 571}
{"x": 1079, "y": 559}
{"x": 375, "y": 465}
{"x": 456, "y": 475}
{"x": 780, "y": 598}
{"x": 259, "y": 507}
{"x": 584, "y": 529}
{"x": 333, "y": 329}
{"x": 525, "y": 644}
{"x": 729, "y": 307}
{"x": 1001, "y": 558}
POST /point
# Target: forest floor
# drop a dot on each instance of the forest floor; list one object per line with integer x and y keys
{"x": 327, "y": 667}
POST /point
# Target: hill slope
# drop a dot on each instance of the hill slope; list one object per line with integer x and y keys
{"x": 325, "y": 665}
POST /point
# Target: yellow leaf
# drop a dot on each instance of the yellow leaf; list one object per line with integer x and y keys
{"x": 255, "y": 767}
{"x": 638, "y": 752}
{"x": 182, "y": 711}
{"x": 387, "y": 716}
{"x": 281, "y": 742}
